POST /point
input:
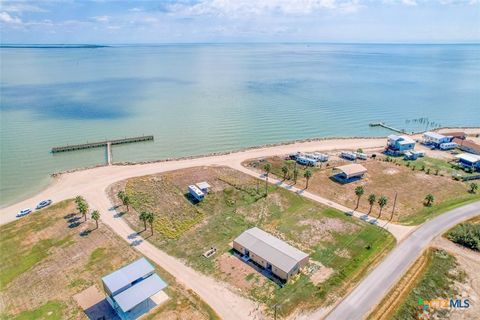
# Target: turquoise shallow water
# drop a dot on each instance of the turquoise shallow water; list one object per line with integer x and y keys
{"x": 198, "y": 99}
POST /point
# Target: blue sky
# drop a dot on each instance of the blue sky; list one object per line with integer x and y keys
{"x": 171, "y": 21}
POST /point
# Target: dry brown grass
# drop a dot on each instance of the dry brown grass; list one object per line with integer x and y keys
{"x": 77, "y": 262}
{"x": 383, "y": 178}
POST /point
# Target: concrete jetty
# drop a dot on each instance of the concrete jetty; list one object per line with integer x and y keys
{"x": 382, "y": 124}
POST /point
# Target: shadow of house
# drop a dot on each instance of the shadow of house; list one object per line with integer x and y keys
{"x": 102, "y": 310}
{"x": 258, "y": 268}
{"x": 191, "y": 198}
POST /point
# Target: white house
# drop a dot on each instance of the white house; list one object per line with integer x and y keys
{"x": 195, "y": 192}
{"x": 134, "y": 289}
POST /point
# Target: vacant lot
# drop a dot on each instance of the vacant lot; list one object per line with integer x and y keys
{"x": 383, "y": 178}
{"x": 439, "y": 280}
{"x": 51, "y": 255}
{"x": 342, "y": 248}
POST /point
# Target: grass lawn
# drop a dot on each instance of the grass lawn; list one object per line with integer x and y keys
{"x": 388, "y": 179}
{"x": 437, "y": 282}
{"x": 45, "y": 262}
{"x": 341, "y": 247}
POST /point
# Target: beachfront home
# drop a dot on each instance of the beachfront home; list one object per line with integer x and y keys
{"x": 361, "y": 155}
{"x": 413, "y": 155}
{"x": 349, "y": 172}
{"x": 468, "y": 146}
{"x": 435, "y": 139}
{"x": 348, "y": 155}
{"x": 271, "y": 253}
{"x": 457, "y": 134}
{"x": 303, "y": 160}
{"x": 398, "y": 145}
{"x": 195, "y": 192}
{"x": 448, "y": 146}
{"x": 134, "y": 289}
{"x": 317, "y": 156}
{"x": 470, "y": 161}
{"x": 203, "y": 186}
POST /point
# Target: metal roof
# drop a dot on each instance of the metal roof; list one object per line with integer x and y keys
{"x": 128, "y": 274}
{"x": 351, "y": 170}
{"x": 203, "y": 185}
{"x": 139, "y": 292}
{"x": 195, "y": 189}
{"x": 434, "y": 135}
{"x": 277, "y": 252}
{"x": 468, "y": 157}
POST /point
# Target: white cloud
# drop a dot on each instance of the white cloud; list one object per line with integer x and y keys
{"x": 20, "y": 7}
{"x": 6, "y": 18}
{"x": 102, "y": 19}
{"x": 136, "y": 10}
{"x": 410, "y": 2}
{"x": 248, "y": 7}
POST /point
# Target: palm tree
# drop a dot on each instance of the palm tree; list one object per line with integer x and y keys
{"x": 150, "y": 219}
{"x": 78, "y": 199}
{"x": 96, "y": 216}
{"x": 359, "y": 191}
{"x": 285, "y": 172}
{"x": 371, "y": 200}
{"x": 295, "y": 175}
{"x": 382, "y": 202}
{"x": 83, "y": 208}
{"x": 429, "y": 199}
{"x": 308, "y": 174}
{"x": 126, "y": 201}
{"x": 144, "y": 217}
{"x": 473, "y": 187}
{"x": 267, "y": 167}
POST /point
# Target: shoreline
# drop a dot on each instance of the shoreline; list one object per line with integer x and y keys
{"x": 75, "y": 181}
{"x": 267, "y": 145}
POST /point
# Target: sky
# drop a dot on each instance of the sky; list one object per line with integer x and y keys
{"x": 206, "y": 21}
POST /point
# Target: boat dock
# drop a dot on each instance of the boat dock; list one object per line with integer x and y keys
{"x": 100, "y": 144}
{"x": 107, "y": 143}
{"x": 383, "y": 125}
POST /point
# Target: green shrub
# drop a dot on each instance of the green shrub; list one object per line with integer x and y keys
{"x": 467, "y": 234}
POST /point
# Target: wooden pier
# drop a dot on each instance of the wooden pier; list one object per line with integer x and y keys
{"x": 106, "y": 143}
{"x": 382, "y": 124}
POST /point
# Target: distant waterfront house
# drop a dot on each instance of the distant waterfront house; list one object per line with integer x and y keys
{"x": 195, "y": 192}
{"x": 435, "y": 139}
{"x": 317, "y": 156}
{"x": 468, "y": 146}
{"x": 458, "y": 134}
{"x": 398, "y": 145}
{"x": 132, "y": 290}
{"x": 349, "y": 172}
{"x": 348, "y": 155}
{"x": 471, "y": 161}
{"x": 203, "y": 186}
{"x": 303, "y": 160}
{"x": 271, "y": 253}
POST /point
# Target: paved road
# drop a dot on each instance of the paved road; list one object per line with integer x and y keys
{"x": 377, "y": 284}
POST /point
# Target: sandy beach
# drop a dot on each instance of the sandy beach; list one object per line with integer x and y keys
{"x": 71, "y": 184}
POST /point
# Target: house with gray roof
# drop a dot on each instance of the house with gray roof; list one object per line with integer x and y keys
{"x": 271, "y": 253}
{"x": 132, "y": 290}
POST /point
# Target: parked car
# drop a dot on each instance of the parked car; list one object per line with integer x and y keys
{"x": 23, "y": 212}
{"x": 43, "y": 204}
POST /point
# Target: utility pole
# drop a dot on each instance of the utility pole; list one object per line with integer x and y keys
{"x": 394, "y": 203}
